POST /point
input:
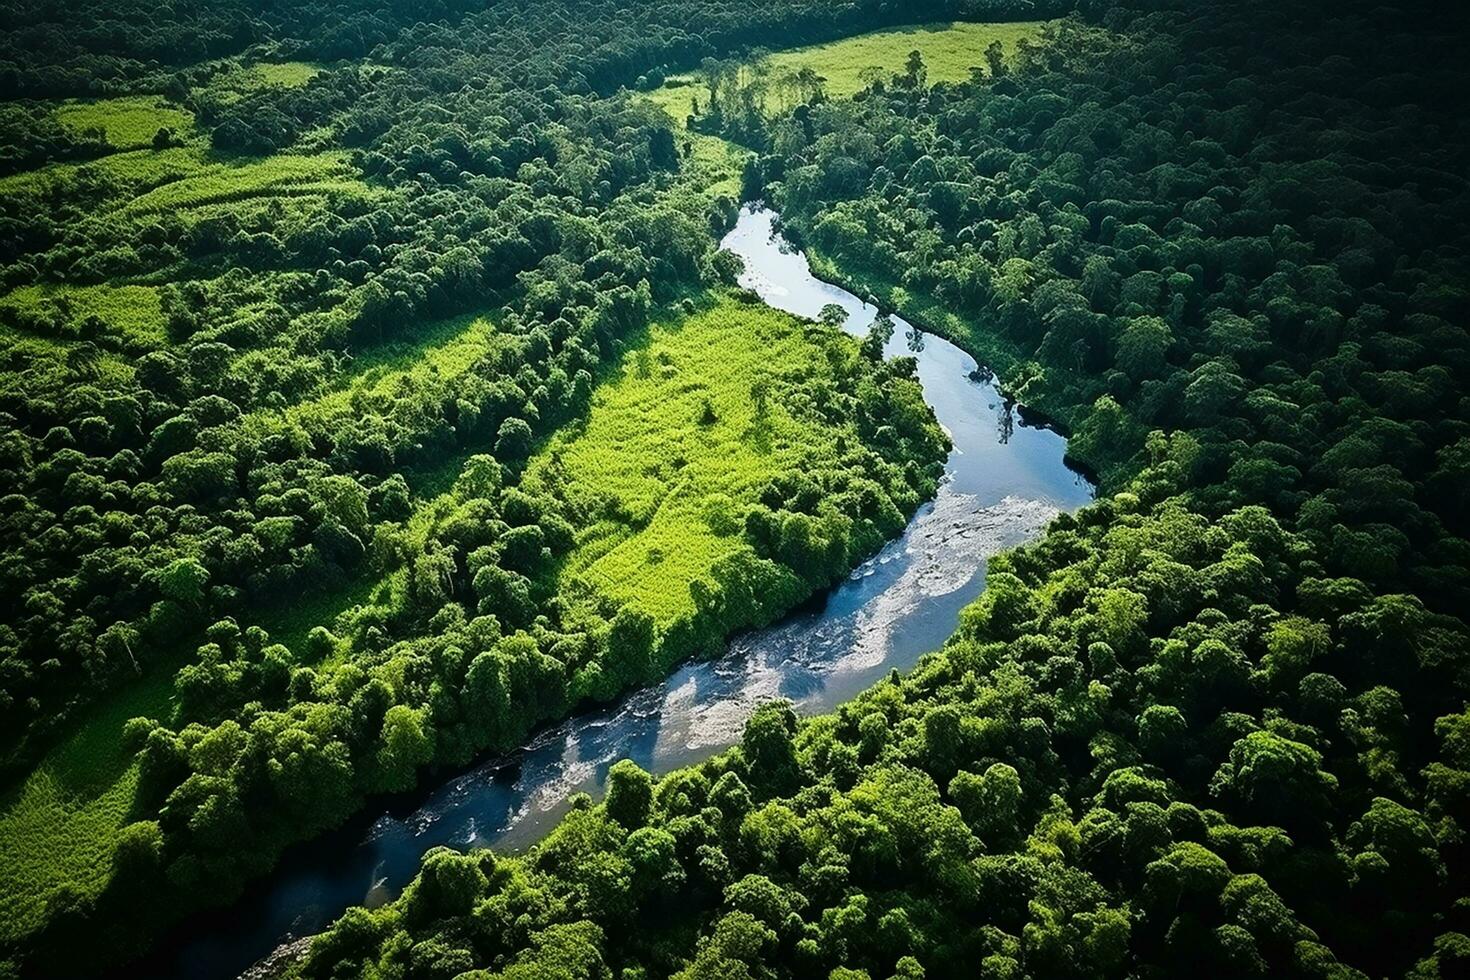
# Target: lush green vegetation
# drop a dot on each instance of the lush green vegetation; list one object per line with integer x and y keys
{"x": 291, "y": 299}
{"x": 372, "y": 391}
{"x": 128, "y": 123}
{"x": 691, "y": 435}
{"x": 624, "y": 477}
{"x": 1214, "y": 724}
{"x": 950, "y": 52}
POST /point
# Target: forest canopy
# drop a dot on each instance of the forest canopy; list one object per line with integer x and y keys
{"x": 355, "y": 420}
{"x": 1212, "y": 724}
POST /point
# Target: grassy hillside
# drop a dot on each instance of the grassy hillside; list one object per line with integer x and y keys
{"x": 949, "y": 51}
{"x": 127, "y": 123}
{"x": 678, "y": 446}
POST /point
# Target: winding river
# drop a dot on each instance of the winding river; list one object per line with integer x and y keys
{"x": 1005, "y": 480}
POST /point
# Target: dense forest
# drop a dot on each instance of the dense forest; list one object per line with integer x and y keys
{"x": 286, "y": 324}
{"x": 374, "y": 390}
{"x": 1215, "y": 723}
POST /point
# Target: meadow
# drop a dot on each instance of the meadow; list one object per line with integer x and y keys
{"x": 134, "y": 310}
{"x": 59, "y": 825}
{"x": 712, "y": 165}
{"x": 949, "y": 51}
{"x": 287, "y": 74}
{"x": 225, "y": 181}
{"x": 127, "y": 123}
{"x": 677, "y": 446}
{"x": 844, "y": 67}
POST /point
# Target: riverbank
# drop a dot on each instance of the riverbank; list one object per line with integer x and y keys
{"x": 1005, "y": 480}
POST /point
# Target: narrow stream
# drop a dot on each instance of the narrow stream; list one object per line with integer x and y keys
{"x": 1005, "y": 480}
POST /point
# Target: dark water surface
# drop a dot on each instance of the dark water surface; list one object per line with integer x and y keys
{"x": 1005, "y": 480}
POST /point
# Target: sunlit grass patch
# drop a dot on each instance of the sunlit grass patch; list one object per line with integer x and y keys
{"x": 133, "y": 172}
{"x": 59, "y": 826}
{"x": 949, "y": 52}
{"x": 133, "y": 310}
{"x": 193, "y": 183}
{"x": 128, "y": 123}
{"x": 287, "y": 74}
{"x": 232, "y": 181}
{"x": 675, "y": 446}
{"x": 713, "y": 165}
{"x": 445, "y": 348}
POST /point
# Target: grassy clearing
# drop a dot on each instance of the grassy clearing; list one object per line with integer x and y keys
{"x": 446, "y": 349}
{"x": 445, "y": 342}
{"x": 666, "y": 479}
{"x": 713, "y": 165}
{"x": 129, "y": 123}
{"x": 133, "y": 172}
{"x": 58, "y": 827}
{"x": 133, "y": 310}
{"x": 194, "y": 183}
{"x": 219, "y": 182}
{"x": 286, "y": 74}
{"x": 949, "y": 52}
{"x": 233, "y": 81}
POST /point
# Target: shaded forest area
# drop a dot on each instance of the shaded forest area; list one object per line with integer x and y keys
{"x": 1214, "y": 724}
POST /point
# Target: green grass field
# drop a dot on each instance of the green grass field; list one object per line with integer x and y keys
{"x": 230, "y": 183}
{"x": 59, "y": 825}
{"x": 287, "y": 74}
{"x": 233, "y": 81}
{"x": 714, "y": 165}
{"x": 134, "y": 172}
{"x": 446, "y": 348}
{"x": 133, "y": 310}
{"x": 949, "y": 52}
{"x": 129, "y": 123}
{"x": 661, "y": 474}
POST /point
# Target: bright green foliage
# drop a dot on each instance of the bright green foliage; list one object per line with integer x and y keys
{"x": 290, "y": 74}
{"x": 69, "y": 311}
{"x": 659, "y": 493}
{"x": 948, "y": 52}
{"x": 125, "y": 123}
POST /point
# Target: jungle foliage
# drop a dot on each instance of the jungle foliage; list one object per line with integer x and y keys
{"x": 284, "y": 323}
{"x": 1214, "y": 724}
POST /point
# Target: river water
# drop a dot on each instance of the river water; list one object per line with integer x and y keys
{"x": 1005, "y": 479}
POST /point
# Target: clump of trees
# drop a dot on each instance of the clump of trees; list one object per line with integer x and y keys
{"x": 1214, "y": 723}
